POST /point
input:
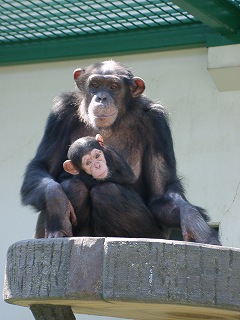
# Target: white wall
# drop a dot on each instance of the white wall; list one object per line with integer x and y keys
{"x": 205, "y": 125}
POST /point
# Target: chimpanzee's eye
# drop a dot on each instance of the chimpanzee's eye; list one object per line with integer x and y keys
{"x": 114, "y": 86}
{"x": 88, "y": 163}
{"x": 97, "y": 155}
{"x": 94, "y": 85}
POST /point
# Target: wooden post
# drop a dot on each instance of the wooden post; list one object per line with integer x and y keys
{"x": 43, "y": 312}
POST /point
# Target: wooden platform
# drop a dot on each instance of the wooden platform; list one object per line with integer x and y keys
{"x": 121, "y": 277}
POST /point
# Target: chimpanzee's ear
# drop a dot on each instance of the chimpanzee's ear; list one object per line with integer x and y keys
{"x": 69, "y": 167}
{"x": 100, "y": 140}
{"x": 138, "y": 86}
{"x": 77, "y": 73}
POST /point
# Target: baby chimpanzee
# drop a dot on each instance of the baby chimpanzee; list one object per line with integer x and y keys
{"x": 96, "y": 162}
{"x": 99, "y": 166}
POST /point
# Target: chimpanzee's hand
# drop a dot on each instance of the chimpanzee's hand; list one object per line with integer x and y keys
{"x": 195, "y": 227}
{"x": 60, "y": 213}
{"x": 66, "y": 221}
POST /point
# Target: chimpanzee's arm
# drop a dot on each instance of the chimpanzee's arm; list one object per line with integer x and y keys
{"x": 40, "y": 187}
{"x": 166, "y": 193}
{"x": 120, "y": 170}
{"x": 159, "y": 164}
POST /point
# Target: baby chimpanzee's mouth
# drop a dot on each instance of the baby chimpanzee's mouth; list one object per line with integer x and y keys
{"x": 101, "y": 176}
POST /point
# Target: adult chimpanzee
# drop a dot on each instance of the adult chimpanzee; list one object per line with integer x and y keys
{"x": 109, "y": 100}
{"x": 91, "y": 161}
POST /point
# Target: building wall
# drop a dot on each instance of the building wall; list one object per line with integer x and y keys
{"x": 205, "y": 125}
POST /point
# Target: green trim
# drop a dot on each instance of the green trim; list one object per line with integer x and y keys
{"x": 214, "y": 40}
{"x": 111, "y": 43}
{"x": 221, "y": 15}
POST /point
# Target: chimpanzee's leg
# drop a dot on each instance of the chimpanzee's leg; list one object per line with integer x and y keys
{"x": 78, "y": 195}
{"x": 119, "y": 211}
{"x": 175, "y": 211}
{"x": 40, "y": 227}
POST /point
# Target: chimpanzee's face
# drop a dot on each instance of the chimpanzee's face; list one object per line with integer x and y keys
{"x": 106, "y": 91}
{"x": 87, "y": 154}
{"x": 94, "y": 163}
{"x": 105, "y": 97}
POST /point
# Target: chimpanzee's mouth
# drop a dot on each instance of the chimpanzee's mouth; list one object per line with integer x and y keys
{"x": 104, "y": 115}
{"x": 101, "y": 176}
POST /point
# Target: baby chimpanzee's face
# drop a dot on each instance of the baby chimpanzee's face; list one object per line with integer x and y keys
{"x": 94, "y": 163}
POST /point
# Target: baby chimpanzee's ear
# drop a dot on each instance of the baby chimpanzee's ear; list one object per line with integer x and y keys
{"x": 100, "y": 140}
{"x": 69, "y": 167}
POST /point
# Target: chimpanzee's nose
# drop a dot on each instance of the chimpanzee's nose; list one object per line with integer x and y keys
{"x": 97, "y": 165}
{"x": 101, "y": 96}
